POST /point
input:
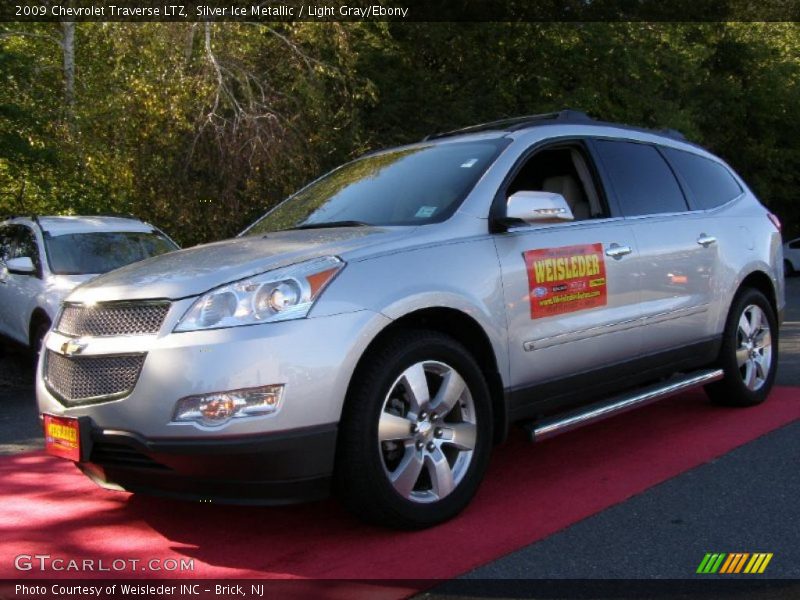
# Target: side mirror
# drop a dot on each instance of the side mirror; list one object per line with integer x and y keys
{"x": 538, "y": 207}
{"x": 22, "y": 265}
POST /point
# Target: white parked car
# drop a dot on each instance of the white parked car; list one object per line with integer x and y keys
{"x": 791, "y": 257}
{"x": 42, "y": 259}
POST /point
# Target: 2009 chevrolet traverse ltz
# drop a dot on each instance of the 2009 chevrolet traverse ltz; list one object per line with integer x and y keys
{"x": 378, "y": 331}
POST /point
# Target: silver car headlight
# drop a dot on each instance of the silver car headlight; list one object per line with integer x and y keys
{"x": 279, "y": 295}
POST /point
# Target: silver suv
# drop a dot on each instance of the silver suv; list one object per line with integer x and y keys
{"x": 379, "y": 331}
{"x": 42, "y": 259}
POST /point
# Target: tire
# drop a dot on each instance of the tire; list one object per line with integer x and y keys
{"x": 38, "y": 331}
{"x": 749, "y": 354}
{"x": 788, "y": 269}
{"x": 423, "y": 472}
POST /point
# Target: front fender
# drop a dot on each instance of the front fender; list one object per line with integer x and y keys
{"x": 463, "y": 275}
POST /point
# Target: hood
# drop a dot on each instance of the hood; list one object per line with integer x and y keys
{"x": 68, "y": 282}
{"x": 196, "y": 270}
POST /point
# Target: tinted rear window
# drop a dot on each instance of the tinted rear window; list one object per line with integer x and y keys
{"x": 710, "y": 183}
{"x": 643, "y": 182}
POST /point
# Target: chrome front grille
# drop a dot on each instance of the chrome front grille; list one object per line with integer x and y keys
{"x": 84, "y": 379}
{"x": 113, "y": 318}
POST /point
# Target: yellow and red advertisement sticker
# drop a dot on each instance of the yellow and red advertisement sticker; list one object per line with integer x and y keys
{"x": 565, "y": 279}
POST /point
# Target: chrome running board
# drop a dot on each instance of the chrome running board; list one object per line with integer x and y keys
{"x": 552, "y": 426}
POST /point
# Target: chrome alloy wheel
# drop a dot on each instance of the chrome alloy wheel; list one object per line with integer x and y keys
{"x": 427, "y": 431}
{"x": 753, "y": 347}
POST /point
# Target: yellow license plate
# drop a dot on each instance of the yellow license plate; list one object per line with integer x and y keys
{"x": 62, "y": 437}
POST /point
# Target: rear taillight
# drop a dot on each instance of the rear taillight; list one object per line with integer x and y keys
{"x": 775, "y": 221}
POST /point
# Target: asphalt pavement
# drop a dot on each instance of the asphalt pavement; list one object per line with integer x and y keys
{"x": 19, "y": 421}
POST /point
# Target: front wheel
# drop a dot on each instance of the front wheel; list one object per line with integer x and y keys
{"x": 415, "y": 435}
{"x": 749, "y": 354}
{"x": 40, "y": 330}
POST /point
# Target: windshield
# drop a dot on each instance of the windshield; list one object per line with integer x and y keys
{"x": 94, "y": 253}
{"x": 413, "y": 186}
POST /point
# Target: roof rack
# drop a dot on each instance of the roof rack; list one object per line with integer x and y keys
{"x": 514, "y": 123}
{"x": 673, "y": 133}
{"x": 115, "y": 215}
{"x": 563, "y": 116}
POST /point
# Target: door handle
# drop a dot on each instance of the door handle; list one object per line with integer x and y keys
{"x": 706, "y": 240}
{"x": 617, "y": 251}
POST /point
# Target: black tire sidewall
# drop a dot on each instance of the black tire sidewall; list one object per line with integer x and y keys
{"x": 362, "y": 433}
{"x": 732, "y": 389}
{"x": 39, "y": 331}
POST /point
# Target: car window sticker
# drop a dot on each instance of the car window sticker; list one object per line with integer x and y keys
{"x": 425, "y": 212}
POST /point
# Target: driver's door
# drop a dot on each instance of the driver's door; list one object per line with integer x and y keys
{"x": 18, "y": 291}
{"x": 6, "y": 252}
{"x": 571, "y": 289}
{"x": 571, "y": 307}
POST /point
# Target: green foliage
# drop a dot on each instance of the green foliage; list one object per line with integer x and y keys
{"x": 200, "y": 129}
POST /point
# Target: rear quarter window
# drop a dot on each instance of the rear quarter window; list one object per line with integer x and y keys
{"x": 709, "y": 182}
{"x": 642, "y": 180}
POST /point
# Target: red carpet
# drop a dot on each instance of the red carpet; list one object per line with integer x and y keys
{"x": 531, "y": 491}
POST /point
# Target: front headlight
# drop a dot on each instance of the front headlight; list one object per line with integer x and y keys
{"x": 279, "y": 295}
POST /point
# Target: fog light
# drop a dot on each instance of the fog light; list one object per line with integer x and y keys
{"x": 220, "y": 407}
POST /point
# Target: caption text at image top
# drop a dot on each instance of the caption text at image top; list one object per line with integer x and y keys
{"x": 576, "y": 11}
{"x": 230, "y": 10}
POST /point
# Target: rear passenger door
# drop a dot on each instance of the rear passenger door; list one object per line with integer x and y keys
{"x": 678, "y": 253}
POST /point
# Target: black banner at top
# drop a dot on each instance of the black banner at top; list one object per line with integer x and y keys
{"x": 399, "y": 10}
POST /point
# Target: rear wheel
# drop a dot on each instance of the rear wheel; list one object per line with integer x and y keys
{"x": 749, "y": 354}
{"x": 415, "y": 436}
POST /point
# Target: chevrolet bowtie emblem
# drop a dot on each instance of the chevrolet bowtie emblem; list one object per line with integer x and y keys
{"x": 72, "y": 347}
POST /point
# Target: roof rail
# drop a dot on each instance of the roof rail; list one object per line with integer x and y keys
{"x": 117, "y": 215}
{"x": 673, "y": 133}
{"x": 513, "y": 123}
{"x": 563, "y": 116}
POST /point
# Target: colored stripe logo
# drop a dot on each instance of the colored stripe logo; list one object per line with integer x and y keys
{"x": 734, "y": 562}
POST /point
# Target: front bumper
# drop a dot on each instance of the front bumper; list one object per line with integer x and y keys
{"x": 278, "y": 458}
{"x": 312, "y": 358}
{"x": 292, "y": 466}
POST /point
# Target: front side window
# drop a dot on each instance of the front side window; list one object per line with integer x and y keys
{"x": 412, "y": 186}
{"x": 711, "y": 184}
{"x": 5, "y": 243}
{"x": 642, "y": 179}
{"x": 100, "y": 252}
{"x": 25, "y": 244}
{"x": 564, "y": 171}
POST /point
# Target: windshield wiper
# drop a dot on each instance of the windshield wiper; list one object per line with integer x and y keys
{"x": 328, "y": 224}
